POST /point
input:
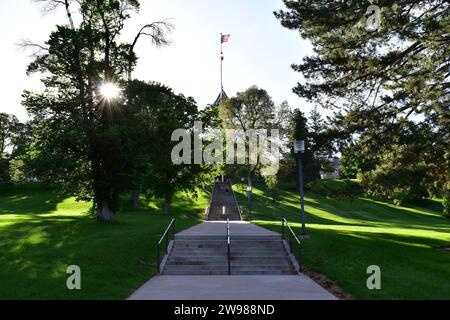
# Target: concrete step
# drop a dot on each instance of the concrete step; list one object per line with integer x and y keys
{"x": 195, "y": 273}
{"x": 224, "y": 261}
{"x": 224, "y": 266}
{"x": 224, "y": 247}
{"x": 234, "y": 237}
{"x": 224, "y": 219}
{"x": 218, "y": 252}
{"x": 224, "y": 257}
{"x": 250, "y": 245}
{"x": 246, "y": 258}
{"x": 220, "y": 199}
{"x": 251, "y": 254}
{"x": 234, "y": 256}
{"x": 221, "y": 268}
{"x": 233, "y": 272}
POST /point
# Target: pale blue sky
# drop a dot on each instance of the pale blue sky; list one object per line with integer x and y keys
{"x": 260, "y": 50}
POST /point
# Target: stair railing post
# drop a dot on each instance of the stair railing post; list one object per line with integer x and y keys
{"x": 157, "y": 254}
{"x": 167, "y": 238}
{"x": 299, "y": 257}
{"x": 229, "y": 263}
{"x": 228, "y": 244}
{"x": 173, "y": 230}
{"x": 290, "y": 241}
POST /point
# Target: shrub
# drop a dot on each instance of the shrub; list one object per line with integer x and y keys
{"x": 271, "y": 187}
{"x": 337, "y": 189}
{"x": 397, "y": 183}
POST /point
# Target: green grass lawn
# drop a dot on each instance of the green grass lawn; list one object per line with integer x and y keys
{"x": 41, "y": 234}
{"x": 348, "y": 236}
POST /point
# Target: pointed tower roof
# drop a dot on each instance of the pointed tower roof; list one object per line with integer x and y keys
{"x": 222, "y": 95}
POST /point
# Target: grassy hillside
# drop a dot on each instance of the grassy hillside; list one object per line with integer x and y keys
{"x": 348, "y": 236}
{"x": 41, "y": 234}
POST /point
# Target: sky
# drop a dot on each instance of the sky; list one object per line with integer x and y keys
{"x": 260, "y": 51}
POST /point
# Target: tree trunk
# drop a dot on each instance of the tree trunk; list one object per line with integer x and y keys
{"x": 135, "y": 194}
{"x": 446, "y": 198}
{"x": 105, "y": 214}
{"x": 167, "y": 201}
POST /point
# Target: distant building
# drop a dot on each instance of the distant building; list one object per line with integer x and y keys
{"x": 334, "y": 164}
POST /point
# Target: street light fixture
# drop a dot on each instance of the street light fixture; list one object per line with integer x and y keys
{"x": 299, "y": 149}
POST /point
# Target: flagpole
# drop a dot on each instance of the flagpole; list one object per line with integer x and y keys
{"x": 221, "y": 65}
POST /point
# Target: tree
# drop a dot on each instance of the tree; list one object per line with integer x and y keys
{"x": 8, "y": 127}
{"x": 283, "y": 117}
{"x": 321, "y": 138}
{"x": 374, "y": 79}
{"x": 153, "y": 115}
{"x": 300, "y": 131}
{"x": 13, "y": 137}
{"x": 401, "y": 169}
{"x": 250, "y": 109}
{"x": 81, "y": 137}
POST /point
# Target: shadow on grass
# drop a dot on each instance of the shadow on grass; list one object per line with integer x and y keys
{"x": 359, "y": 212}
{"x": 411, "y": 267}
{"x": 33, "y": 198}
{"x": 114, "y": 259}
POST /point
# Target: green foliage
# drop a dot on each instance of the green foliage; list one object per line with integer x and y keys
{"x": 272, "y": 187}
{"x": 81, "y": 140}
{"x": 251, "y": 109}
{"x": 374, "y": 81}
{"x": 336, "y": 189}
{"x": 4, "y": 171}
{"x": 300, "y": 131}
{"x": 401, "y": 169}
{"x": 8, "y": 129}
{"x": 399, "y": 183}
{"x": 446, "y": 202}
{"x": 18, "y": 171}
{"x": 153, "y": 114}
{"x": 446, "y": 188}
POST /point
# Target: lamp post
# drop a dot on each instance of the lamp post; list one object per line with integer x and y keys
{"x": 299, "y": 149}
{"x": 242, "y": 185}
{"x": 249, "y": 194}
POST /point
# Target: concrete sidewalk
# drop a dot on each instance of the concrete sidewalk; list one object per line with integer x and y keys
{"x": 260, "y": 287}
{"x": 234, "y": 287}
{"x": 238, "y": 229}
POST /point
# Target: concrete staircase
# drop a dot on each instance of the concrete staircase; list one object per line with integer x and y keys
{"x": 255, "y": 256}
{"x": 223, "y": 204}
{"x": 203, "y": 249}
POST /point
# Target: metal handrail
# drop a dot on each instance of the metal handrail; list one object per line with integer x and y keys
{"x": 164, "y": 236}
{"x": 291, "y": 237}
{"x": 210, "y": 201}
{"x": 229, "y": 246}
{"x": 235, "y": 199}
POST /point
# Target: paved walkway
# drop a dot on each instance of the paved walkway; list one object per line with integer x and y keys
{"x": 298, "y": 287}
{"x": 223, "y": 203}
{"x": 238, "y": 229}
{"x": 253, "y": 287}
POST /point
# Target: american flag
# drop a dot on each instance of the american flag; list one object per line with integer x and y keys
{"x": 225, "y": 38}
